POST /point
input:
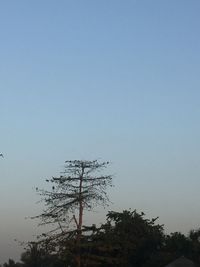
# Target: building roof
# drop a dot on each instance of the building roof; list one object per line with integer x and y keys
{"x": 181, "y": 262}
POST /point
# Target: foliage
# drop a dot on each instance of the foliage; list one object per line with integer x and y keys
{"x": 126, "y": 239}
{"x": 12, "y": 263}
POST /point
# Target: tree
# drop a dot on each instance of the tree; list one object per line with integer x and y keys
{"x": 12, "y": 263}
{"x": 36, "y": 256}
{"x": 127, "y": 239}
{"x": 33, "y": 255}
{"x": 79, "y": 188}
{"x": 178, "y": 244}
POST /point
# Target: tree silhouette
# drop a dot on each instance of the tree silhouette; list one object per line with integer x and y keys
{"x": 126, "y": 239}
{"x": 79, "y": 188}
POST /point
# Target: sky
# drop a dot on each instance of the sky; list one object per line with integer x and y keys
{"x": 109, "y": 80}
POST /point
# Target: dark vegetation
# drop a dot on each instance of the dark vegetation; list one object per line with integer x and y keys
{"x": 125, "y": 239}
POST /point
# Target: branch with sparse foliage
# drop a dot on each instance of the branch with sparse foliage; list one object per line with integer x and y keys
{"x": 80, "y": 187}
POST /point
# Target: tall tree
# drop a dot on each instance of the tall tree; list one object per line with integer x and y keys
{"x": 79, "y": 188}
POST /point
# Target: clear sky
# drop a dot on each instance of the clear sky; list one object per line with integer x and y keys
{"x": 112, "y": 80}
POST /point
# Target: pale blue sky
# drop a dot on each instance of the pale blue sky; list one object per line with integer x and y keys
{"x": 111, "y": 80}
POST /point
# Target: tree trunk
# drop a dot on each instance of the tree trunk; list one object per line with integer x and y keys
{"x": 80, "y": 220}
